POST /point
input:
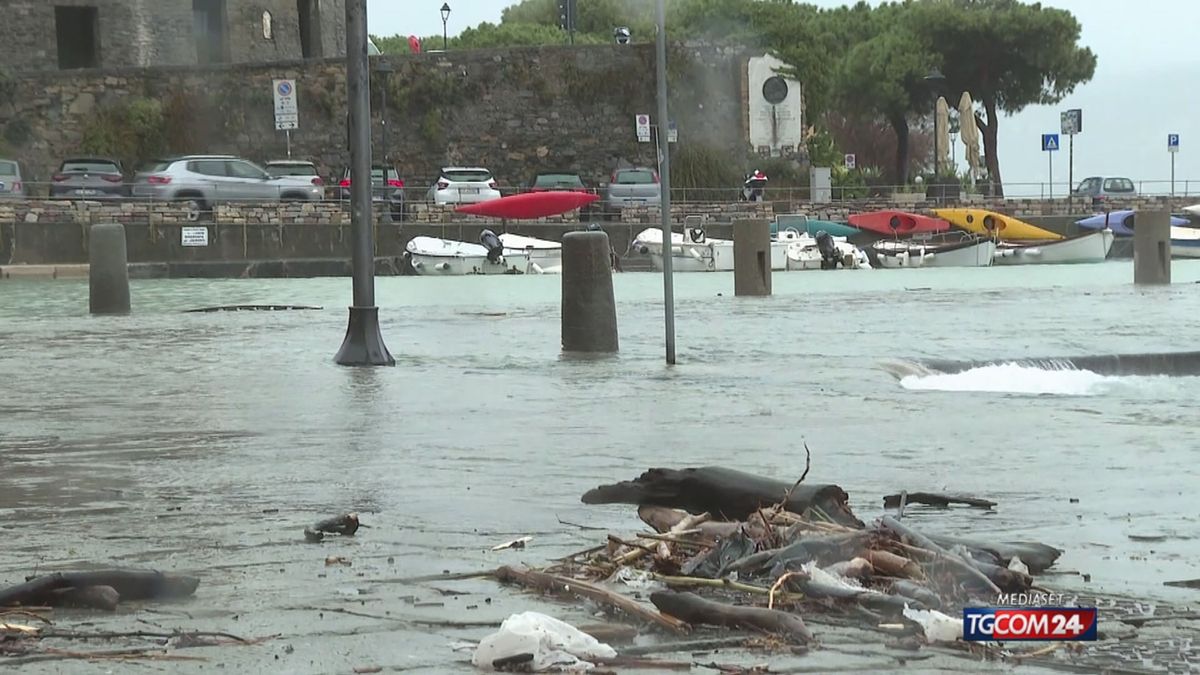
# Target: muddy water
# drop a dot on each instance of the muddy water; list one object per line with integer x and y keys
{"x": 205, "y": 442}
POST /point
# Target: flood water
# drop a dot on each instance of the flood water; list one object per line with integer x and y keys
{"x": 205, "y": 442}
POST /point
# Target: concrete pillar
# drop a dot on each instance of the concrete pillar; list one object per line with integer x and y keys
{"x": 1152, "y": 247}
{"x": 108, "y": 270}
{"x": 589, "y": 311}
{"x": 752, "y": 257}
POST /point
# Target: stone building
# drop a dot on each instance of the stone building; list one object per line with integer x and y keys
{"x": 41, "y": 35}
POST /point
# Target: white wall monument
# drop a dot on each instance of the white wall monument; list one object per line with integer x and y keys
{"x": 776, "y": 108}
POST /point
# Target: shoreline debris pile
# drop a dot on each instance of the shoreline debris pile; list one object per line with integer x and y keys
{"x": 735, "y": 550}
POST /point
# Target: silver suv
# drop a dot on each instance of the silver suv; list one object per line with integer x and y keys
{"x": 203, "y": 180}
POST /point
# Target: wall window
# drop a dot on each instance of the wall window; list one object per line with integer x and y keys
{"x": 77, "y": 31}
{"x": 268, "y": 30}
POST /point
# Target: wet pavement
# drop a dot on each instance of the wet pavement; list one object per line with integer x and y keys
{"x": 204, "y": 443}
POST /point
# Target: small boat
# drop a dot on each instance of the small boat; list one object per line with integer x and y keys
{"x": 530, "y": 205}
{"x": 1192, "y": 210}
{"x": 1091, "y": 247}
{"x": 891, "y": 223}
{"x": 1120, "y": 222}
{"x": 991, "y": 224}
{"x": 1185, "y": 242}
{"x": 971, "y": 251}
{"x": 431, "y": 256}
{"x": 811, "y": 226}
{"x": 545, "y": 256}
{"x": 691, "y": 251}
{"x": 823, "y": 252}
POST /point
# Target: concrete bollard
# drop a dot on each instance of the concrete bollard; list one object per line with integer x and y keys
{"x": 1152, "y": 247}
{"x": 108, "y": 270}
{"x": 751, "y": 257}
{"x": 589, "y": 311}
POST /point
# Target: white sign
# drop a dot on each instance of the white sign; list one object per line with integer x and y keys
{"x": 194, "y": 236}
{"x": 642, "y": 121}
{"x": 1172, "y": 142}
{"x": 774, "y": 108}
{"x": 850, "y": 161}
{"x": 1071, "y": 121}
{"x": 287, "y": 112}
{"x": 672, "y": 133}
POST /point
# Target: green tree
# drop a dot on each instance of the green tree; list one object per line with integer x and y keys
{"x": 1007, "y": 54}
{"x": 884, "y": 76}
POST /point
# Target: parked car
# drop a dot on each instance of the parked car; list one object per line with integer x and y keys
{"x": 303, "y": 172}
{"x": 632, "y": 186}
{"x": 463, "y": 185}
{"x": 89, "y": 178}
{"x": 1101, "y": 188}
{"x": 12, "y": 185}
{"x": 386, "y": 185}
{"x": 557, "y": 181}
{"x": 203, "y": 180}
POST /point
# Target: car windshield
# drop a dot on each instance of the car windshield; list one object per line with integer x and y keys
{"x": 467, "y": 175}
{"x": 558, "y": 180}
{"x": 90, "y": 166}
{"x": 377, "y": 174}
{"x": 155, "y": 166}
{"x": 8, "y": 168}
{"x": 635, "y": 177}
{"x": 291, "y": 170}
{"x": 1118, "y": 185}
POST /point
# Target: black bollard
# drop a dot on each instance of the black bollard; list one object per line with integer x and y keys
{"x": 108, "y": 270}
{"x": 589, "y": 311}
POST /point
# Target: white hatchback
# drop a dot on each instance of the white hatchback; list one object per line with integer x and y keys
{"x": 463, "y": 185}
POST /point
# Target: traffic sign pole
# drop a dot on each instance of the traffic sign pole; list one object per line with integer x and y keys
{"x": 1173, "y": 149}
{"x": 1051, "y": 156}
{"x": 1070, "y": 172}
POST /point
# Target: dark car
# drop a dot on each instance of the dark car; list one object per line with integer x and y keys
{"x": 386, "y": 186}
{"x": 89, "y": 178}
{"x": 549, "y": 181}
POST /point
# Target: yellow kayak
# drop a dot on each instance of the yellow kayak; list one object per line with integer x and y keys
{"x": 985, "y": 222}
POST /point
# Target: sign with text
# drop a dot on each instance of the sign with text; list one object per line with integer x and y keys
{"x": 287, "y": 112}
{"x": 851, "y": 161}
{"x": 194, "y": 236}
{"x": 672, "y": 133}
{"x": 642, "y": 122}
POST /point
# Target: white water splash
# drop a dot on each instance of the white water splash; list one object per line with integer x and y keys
{"x": 1013, "y": 379}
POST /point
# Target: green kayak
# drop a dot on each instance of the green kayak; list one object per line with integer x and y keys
{"x": 812, "y": 226}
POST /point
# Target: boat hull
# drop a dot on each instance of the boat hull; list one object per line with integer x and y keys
{"x": 899, "y": 254}
{"x": 989, "y": 223}
{"x": 890, "y": 223}
{"x": 1088, "y": 248}
{"x": 452, "y": 266}
{"x": 545, "y": 256}
{"x": 530, "y": 205}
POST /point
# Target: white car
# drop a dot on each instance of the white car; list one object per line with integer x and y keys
{"x": 463, "y": 185}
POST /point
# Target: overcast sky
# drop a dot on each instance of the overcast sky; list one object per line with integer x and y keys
{"x": 1144, "y": 88}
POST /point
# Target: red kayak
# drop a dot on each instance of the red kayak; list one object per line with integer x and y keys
{"x": 529, "y": 205}
{"x": 897, "y": 222}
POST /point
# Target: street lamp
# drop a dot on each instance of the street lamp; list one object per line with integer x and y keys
{"x": 445, "y": 18}
{"x": 936, "y": 82}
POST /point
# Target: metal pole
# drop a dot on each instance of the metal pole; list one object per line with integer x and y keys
{"x": 1172, "y": 174}
{"x": 444, "y": 38}
{"x": 288, "y": 134}
{"x": 664, "y": 174}
{"x": 1050, "y": 156}
{"x": 363, "y": 344}
{"x": 383, "y": 122}
{"x": 1071, "y": 174}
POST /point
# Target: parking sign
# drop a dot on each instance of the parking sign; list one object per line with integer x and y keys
{"x": 1172, "y": 142}
{"x": 642, "y": 122}
{"x": 287, "y": 112}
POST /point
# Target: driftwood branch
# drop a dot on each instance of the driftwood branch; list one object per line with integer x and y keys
{"x": 932, "y": 499}
{"x": 554, "y": 583}
{"x": 694, "y": 609}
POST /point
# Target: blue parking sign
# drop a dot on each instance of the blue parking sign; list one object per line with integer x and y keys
{"x": 1172, "y": 142}
{"x": 1049, "y": 142}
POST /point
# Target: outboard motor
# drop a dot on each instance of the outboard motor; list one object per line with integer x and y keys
{"x": 754, "y": 188}
{"x": 830, "y": 258}
{"x": 495, "y": 249}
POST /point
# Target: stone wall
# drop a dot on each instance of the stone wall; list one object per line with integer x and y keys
{"x": 151, "y": 33}
{"x": 515, "y": 111}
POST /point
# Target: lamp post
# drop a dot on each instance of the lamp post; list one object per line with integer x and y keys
{"x": 445, "y": 18}
{"x": 936, "y": 81}
{"x": 664, "y": 174}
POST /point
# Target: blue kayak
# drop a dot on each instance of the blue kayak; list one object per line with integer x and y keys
{"x": 1120, "y": 222}
{"x": 802, "y": 223}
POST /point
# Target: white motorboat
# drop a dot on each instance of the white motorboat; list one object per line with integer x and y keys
{"x": 1092, "y": 247}
{"x": 1185, "y": 242}
{"x": 545, "y": 256}
{"x": 691, "y": 251}
{"x": 803, "y": 252}
{"x": 1193, "y": 209}
{"x": 970, "y": 251}
{"x": 431, "y": 256}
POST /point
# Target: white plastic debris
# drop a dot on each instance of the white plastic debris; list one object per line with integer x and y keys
{"x": 938, "y": 627}
{"x": 554, "y": 644}
{"x": 830, "y": 579}
{"x": 1017, "y": 565}
{"x": 636, "y": 579}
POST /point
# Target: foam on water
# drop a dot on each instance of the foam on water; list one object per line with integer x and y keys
{"x": 1014, "y": 378}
